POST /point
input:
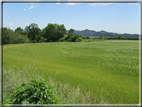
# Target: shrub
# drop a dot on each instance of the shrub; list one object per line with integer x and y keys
{"x": 42, "y": 39}
{"x": 74, "y": 37}
{"x": 11, "y": 37}
{"x": 78, "y": 39}
{"x": 83, "y": 37}
{"x": 62, "y": 39}
{"x": 33, "y": 41}
{"x": 119, "y": 36}
{"x": 35, "y": 92}
{"x": 87, "y": 37}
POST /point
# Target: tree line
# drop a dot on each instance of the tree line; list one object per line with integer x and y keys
{"x": 51, "y": 33}
{"x": 119, "y": 37}
{"x": 33, "y": 34}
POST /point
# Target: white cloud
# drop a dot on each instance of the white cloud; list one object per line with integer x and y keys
{"x": 58, "y": 3}
{"x": 10, "y": 24}
{"x": 32, "y": 7}
{"x": 25, "y": 9}
{"x": 99, "y": 4}
{"x": 72, "y": 3}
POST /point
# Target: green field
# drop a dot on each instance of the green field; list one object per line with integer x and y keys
{"x": 107, "y": 70}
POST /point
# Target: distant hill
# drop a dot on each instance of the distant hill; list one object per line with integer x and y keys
{"x": 93, "y": 33}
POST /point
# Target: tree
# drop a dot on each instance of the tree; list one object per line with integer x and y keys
{"x": 101, "y": 36}
{"x": 5, "y": 35}
{"x": 32, "y": 31}
{"x": 48, "y": 32}
{"x": 10, "y": 37}
{"x": 87, "y": 37}
{"x": 53, "y": 32}
{"x": 18, "y": 29}
{"x": 119, "y": 36}
{"x": 78, "y": 39}
{"x": 75, "y": 38}
{"x": 83, "y": 37}
{"x": 60, "y": 31}
{"x": 70, "y": 32}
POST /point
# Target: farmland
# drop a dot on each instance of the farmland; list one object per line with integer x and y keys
{"x": 108, "y": 70}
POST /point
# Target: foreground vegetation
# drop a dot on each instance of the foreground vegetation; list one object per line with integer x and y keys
{"x": 34, "y": 92}
{"x": 82, "y": 72}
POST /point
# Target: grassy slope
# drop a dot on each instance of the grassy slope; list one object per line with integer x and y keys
{"x": 108, "y": 69}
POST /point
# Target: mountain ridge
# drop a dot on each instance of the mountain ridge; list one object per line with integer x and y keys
{"x": 94, "y": 33}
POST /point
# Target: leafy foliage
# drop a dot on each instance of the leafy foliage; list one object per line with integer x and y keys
{"x": 53, "y": 32}
{"x": 101, "y": 36}
{"x": 11, "y": 37}
{"x": 32, "y": 31}
{"x": 119, "y": 36}
{"x": 63, "y": 39}
{"x": 75, "y": 38}
{"x": 19, "y": 30}
{"x": 71, "y": 37}
{"x": 42, "y": 39}
{"x": 70, "y": 32}
{"x": 35, "y": 92}
{"x": 78, "y": 39}
{"x": 85, "y": 37}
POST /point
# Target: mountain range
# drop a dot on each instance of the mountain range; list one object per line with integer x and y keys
{"x": 94, "y": 33}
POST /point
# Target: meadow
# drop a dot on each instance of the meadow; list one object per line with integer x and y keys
{"x": 99, "y": 72}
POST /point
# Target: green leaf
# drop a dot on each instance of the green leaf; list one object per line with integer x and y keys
{"x": 44, "y": 96}
{"x": 36, "y": 89}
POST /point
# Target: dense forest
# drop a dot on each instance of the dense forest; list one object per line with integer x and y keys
{"x": 51, "y": 33}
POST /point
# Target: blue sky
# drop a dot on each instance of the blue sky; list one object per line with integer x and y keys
{"x": 112, "y": 17}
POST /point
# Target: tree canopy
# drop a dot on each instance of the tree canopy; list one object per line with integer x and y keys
{"x": 33, "y": 34}
{"x": 33, "y": 31}
{"x": 10, "y": 37}
{"x": 53, "y": 32}
{"x": 70, "y": 32}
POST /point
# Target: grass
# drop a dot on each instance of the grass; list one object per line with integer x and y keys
{"x": 105, "y": 71}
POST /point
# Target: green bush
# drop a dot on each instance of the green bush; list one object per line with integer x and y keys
{"x": 62, "y": 39}
{"x": 35, "y": 92}
{"x": 87, "y": 37}
{"x": 119, "y": 36}
{"x": 78, "y": 39}
{"x": 74, "y": 38}
{"x": 42, "y": 39}
{"x": 11, "y": 37}
{"x": 83, "y": 37}
{"x": 33, "y": 41}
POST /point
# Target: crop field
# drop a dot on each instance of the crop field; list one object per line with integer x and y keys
{"x": 105, "y": 71}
